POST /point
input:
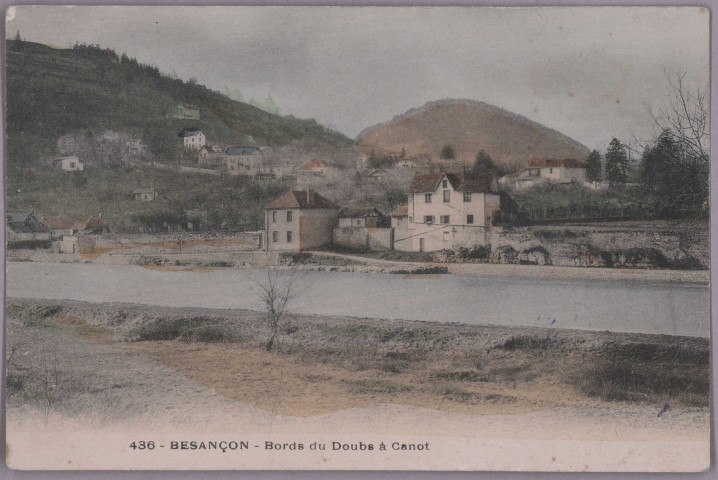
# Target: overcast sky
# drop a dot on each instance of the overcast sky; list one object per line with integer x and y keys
{"x": 589, "y": 73}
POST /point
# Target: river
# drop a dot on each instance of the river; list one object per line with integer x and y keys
{"x": 627, "y": 306}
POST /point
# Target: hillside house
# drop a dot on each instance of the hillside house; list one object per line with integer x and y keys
{"x": 544, "y": 171}
{"x": 185, "y": 112}
{"x": 211, "y": 155}
{"x": 193, "y": 139}
{"x": 145, "y": 194}
{"x": 70, "y": 164}
{"x": 315, "y": 167}
{"x": 450, "y": 210}
{"x": 376, "y": 175}
{"x": 25, "y": 226}
{"x": 299, "y": 221}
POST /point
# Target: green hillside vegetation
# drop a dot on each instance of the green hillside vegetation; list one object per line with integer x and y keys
{"x": 210, "y": 202}
{"x": 52, "y": 92}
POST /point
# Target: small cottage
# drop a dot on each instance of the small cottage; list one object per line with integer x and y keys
{"x": 193, "y": 139}
{"x": 25, "y": 226}
{"x": 70, "y": 164}
{"x": 145, "y": 194}
{"x": 360, "y": 217}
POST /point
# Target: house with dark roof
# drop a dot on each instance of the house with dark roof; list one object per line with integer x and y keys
{"x": 448, "y": 211}
{"x": 299, "y": 221}
{"x": 192, "y": 138}
{"x": 25, "y": 226}
{"x": 546, "y": 170}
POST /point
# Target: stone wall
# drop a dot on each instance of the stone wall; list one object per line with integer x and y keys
{"x": 361, "y": 238}
{"x": 659, "y": 244}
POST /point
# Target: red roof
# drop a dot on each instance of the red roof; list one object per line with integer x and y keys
{"x": 313, "y": 163}
{"x": 301, "y": 199}
{"x": 556, "y": 162}
{"x": 461, "y": 182}
{"x": 401, "y": 211}
{"x": 64, "y": 222}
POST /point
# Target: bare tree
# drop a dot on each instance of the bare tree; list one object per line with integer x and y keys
{"x": 686, "y": 116}
{"x": 276, "y": 293}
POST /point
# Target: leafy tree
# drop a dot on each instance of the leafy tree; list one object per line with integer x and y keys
{"x": 447, "y": 153}
{"x": 593, "y": 167}
{"x": 616, "y": 162}
{"x": 485, "y": 165}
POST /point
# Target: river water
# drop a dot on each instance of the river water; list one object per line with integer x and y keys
{"x": 628, "y": 306}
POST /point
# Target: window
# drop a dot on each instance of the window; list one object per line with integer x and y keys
{"x": 445, "y": 219}
{"x": 447, "y": 196}
{"x": 469, "y": 219}
{"x": 444, "y": 183}
{"x": 275, "y": 236}
{"x": 289, "y": 237}
{"x": 358, "y": 222}
{"x": 467, "y": 196}
{"x": 550, "y": 170}
{"x": 427, "y": 198}
{"x": 274, "y": 217}
{"x": 289, "y": 215}
{"x": 428, "y": 219}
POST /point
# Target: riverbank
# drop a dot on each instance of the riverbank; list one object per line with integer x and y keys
{"x": 131, "y": 368}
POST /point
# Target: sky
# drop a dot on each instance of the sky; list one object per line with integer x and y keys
{"x": 590, "y": 73}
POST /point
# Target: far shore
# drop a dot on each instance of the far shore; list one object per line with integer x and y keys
{"x": 354, "y": 263}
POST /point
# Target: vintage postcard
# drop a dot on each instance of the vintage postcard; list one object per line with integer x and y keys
{"x": 357, "y": 238}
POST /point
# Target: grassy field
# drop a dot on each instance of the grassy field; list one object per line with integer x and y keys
{"x": 323, "y": 364}
{"x": 221, "y": 203}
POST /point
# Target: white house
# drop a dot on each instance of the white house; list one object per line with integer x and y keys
{"x": 546, "y": 170}
{"x": 70, "y": 164}
{"x": 448, "y": 210}
{"x": 299, "y": 221}
{"x": 193, "y": 139}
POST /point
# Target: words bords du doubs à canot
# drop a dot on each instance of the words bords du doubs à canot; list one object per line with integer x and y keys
{"x": 239, "y": 445}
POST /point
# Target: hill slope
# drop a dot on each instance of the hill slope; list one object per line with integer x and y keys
{"x": 52, "y": 92}
{"x": 468, "y": 126}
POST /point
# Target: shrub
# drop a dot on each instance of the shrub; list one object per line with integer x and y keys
{"x": 28, "y": 244}
{"x": 191, "y": 328}
{"x": 209, "y": 334}
{"x": 528, "y": 343}
{"x": 479, "y": 252}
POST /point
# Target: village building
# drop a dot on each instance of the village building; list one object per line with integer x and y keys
{"x": 546, "y": 171}
{"x": 450, "y": 210}
{"x": 299, "y": 221}
{"x": 145, "y": 194}
{"x": 25, "y": 226}
{"x": 315, "y": 167}
{"x": 363, "y": 228}
{"x": 70, "y": 164}
{"x": 376, "y": 175}
{"x": 135, "y": 148}
{"x": 245, "y": 161}
{"x": 211, "y": 155}
{"x": 185, "y": 112}
{"x": 193, "y": 139}
{"x": 400, "y": 227}
{"x": 360, "y": 217}
{"x": 65, "y": 225}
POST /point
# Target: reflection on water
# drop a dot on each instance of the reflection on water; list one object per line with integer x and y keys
{"x": 631, "y": 306}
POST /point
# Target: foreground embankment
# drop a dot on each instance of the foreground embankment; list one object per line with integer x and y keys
{"x": 80, "y": 371}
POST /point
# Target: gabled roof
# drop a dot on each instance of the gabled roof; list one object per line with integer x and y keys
{"x": 189, "y": 107}
{"x": 25, "y": 222}
{"x": 377, "y": 172}
{"x": 359, "y": 212}
{"x": 461, "y": 182}
{"x": 401, "y": 211}
{"x": 65, "y": 222}
{"x": 313, "y": 163}
{"x": 301, "y": 199}
{"x": 556, "y": 162}
{"x": 188, "y": 132}
{"x": 241, "y": 150}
